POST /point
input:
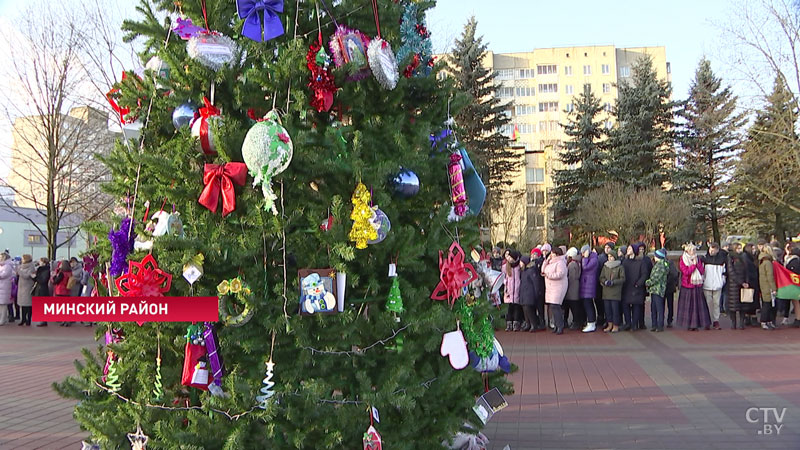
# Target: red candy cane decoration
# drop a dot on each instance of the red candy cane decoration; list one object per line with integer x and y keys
{"x": 457, "y": 192}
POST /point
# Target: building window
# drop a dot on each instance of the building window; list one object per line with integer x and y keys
{"x": 587, "y": 86}
{"x": 587, "y": 70}
{"x": 568, "y": 69}
{"x": 625, "y": 71}
{"x": 669, "y": 68}
{"x": 549, "y": 88}
{"x": 546, "y": 69}
{"x": 534, "y": 175}
{"x": 607, "y": 107}
{"x": 535, "y": 197}
{"x": 570, "y": 107}
{"x": 546, "y": 126}
{"x": 534, "y": 217}
{"x": 525, "y": 91}
{"x": 606, "y": 88}
{"x": 605, "y": 69}
{"x": 525, "y": 73}
{"x": 609, "y": 125}
{"x": 505, "y": 74}
{"x": 568, "y": 89}
{"x": 548, "y": 107}
{"x": 525, "y": 128}
{"x": 34, "y": 239}
{"x": 522, "y": 110}
{"x": 505, "y": 92}
{"x": 441, "y": 75}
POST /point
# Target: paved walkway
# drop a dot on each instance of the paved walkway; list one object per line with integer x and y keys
{"x": 643, "y": 390}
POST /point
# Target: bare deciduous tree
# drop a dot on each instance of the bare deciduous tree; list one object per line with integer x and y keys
{"x": 632, "y": 213}
{"x": 763, "y": 41}
{"x": 509, "y": 216}
{"x": 59, "y": 63}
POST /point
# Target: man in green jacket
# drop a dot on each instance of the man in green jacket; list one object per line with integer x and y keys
{"x": 657, "y": 286}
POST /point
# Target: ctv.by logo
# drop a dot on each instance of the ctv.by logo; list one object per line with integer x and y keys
{"x": 771, "y": 418}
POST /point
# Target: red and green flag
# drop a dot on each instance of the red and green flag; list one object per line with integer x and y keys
{"x": 788, "y": 282}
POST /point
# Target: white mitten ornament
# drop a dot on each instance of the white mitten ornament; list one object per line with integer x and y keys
{"x": 455, "y": 346}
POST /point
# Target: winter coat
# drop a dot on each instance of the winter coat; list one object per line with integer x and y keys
{"x": 555, "y": 280}
{"x": 715, "y": 270}
{"x": 61, "y": 279}
{"x": 793, "y": 263}
{"x": 6, "y": 275}
{"x": 613, "y": 271}
{"x": 686, "y": 273}
{"x": 77, "y": 287}
{"x": 673, "y": 278}
{"x": 633, "y": 290}
{"x": 573, "y": 280}
{"x": 511, "y": 283}
{"x": 752, "y": 272}
{"x": 26, "y": 272}
{"x": 657, "y": 283}
{"x": 531, "y": 286}
{"x": 42, "y": 282}
{"x": 737, "y": 275}
{"x": 590, "y": 270}
{"x": 766, "y": 276}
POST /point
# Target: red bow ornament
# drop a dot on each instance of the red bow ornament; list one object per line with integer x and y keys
{"x": 206, "y": 112}
{"x": 454, "y": 275}
{"x": 219, "y": 180}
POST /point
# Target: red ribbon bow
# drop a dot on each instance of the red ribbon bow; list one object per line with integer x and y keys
{"x": 454, "y": 275}
{"x": 219, "y": 180}
{"x": 208, "y": 111}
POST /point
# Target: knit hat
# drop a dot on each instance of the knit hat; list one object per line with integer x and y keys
{"x": 536, "y": 253}
{"x": 585, "y": 249}
{"x": 623, "y": 249}
{"x": 546, "y": 248}
{"x": 563, "y": 249}
{"x": 661, "y": 253}
{"x": 525, "y": 260}
{"x": 609, "y": 244}
{"x": 636, "y": 248}
{"x": 572, "y": 252}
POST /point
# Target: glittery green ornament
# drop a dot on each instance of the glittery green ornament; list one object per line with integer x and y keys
{"x": 478, "y": 332}
{"x": 395, "y": 301}
{"x": 267, "y": 150}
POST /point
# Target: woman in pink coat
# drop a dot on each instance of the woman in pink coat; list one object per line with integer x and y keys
{"x": 6, "y": 275}
{"x": 512, "y": 271}
{"x": 692, "y": 307}
{"x": 554, "y": 271}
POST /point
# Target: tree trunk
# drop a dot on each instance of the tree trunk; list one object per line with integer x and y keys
{"x": 715, "y": 224}
{"x": 52, "y": 212}
{"x": 780, "y": 229}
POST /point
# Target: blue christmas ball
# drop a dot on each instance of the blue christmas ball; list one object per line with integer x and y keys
{"x": 406, "y": 183}
{"x": 183, "y": 115}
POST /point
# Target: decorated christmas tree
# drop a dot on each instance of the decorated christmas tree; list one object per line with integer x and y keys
{"x": 263, "y": 128}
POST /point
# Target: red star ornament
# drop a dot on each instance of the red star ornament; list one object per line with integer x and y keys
{"x": 144, "y": 279}
{"x": 454, "y": 275}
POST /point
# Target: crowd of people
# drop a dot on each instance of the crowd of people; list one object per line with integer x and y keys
{"x": 22, "y": 278}
{"x": 585, "y": 290}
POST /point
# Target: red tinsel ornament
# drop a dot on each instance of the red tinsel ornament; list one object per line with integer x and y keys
{"x": 144, "y": 279}
{"x": 454, "y": 275}
{"x": 320, "y": 81}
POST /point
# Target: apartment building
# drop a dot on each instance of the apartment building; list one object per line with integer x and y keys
{"x": 540, "y": 86}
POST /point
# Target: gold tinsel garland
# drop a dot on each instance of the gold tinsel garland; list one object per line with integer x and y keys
{"x": 362, "y": 230}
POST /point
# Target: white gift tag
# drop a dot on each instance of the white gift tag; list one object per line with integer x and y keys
{"x": 375, "y": 415}
{"x": 392, "y": 270}
{"x": 192, "y": 274}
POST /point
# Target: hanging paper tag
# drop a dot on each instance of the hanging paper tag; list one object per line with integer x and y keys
{"x": 375, "y": 415}
{"x": 341, "y": 283}
{"x": 192, "y": 273}
{"x": 488, "y": 404}
{"x": 392, "y": 270}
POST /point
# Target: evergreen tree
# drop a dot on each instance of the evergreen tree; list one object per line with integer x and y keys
{"x": 327, "y": 370}
{"x": 709, "y": 140}
{"x": 480, "y": 121}
{"x": 582, "y": 157}
{"x": 765, "y": 179}
{"x": 641, "y": 152}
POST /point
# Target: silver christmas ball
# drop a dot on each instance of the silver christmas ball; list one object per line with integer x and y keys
{"x": 184, "y": 115}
